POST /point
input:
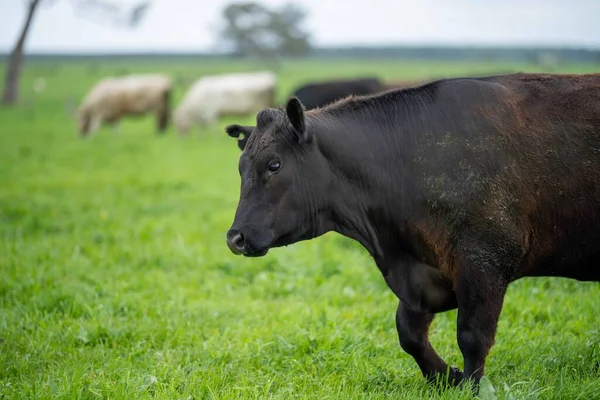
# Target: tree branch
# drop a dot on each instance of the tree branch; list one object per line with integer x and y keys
{"x": 13, "y": 71}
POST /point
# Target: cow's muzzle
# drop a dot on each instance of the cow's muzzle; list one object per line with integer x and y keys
{"x": 239, "y": 245}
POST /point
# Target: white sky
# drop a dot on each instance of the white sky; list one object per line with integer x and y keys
{"x": 188, "y": 25}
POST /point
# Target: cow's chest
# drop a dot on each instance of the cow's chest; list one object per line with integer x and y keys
{"x": 420, "y": 287}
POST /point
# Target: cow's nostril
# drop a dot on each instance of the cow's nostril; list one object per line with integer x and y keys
{"x": 238, "y": 242}
{"x": 235, "y": 241}
{"x": 231, "y": 233}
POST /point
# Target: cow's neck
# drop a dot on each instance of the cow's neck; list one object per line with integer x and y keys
{"x": 365, "y": 203}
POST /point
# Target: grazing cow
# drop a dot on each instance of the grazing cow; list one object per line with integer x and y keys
{"x": 227, "y": 94}
{"x": 456, "y": 188}
{"x": 319, "y": 94}
{"x": 113, "y": 98}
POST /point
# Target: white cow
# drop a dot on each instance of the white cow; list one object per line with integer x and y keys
{"x": 115, "y": 97}
{"x": 214, "y": 96}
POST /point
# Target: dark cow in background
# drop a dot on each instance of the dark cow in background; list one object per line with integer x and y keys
{"x": 456, "y": 188}
{"x": 319, "y": 94}
{"x": 399, "y": 85}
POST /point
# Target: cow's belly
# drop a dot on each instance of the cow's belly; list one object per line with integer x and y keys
{"x": 574, "y": 253}
{"x": 579, "y": 263}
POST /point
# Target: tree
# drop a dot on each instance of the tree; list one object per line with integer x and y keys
{"x": 108, "y": 11}
{"x": 256, "y": 31}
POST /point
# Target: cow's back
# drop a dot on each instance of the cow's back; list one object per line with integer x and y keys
{"x": 112, "y": 96}
{"x": 227, "y": 94}
{"x": 140, "y": 93}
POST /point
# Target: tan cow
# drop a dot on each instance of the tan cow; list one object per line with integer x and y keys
{"x": 115, "y": 97}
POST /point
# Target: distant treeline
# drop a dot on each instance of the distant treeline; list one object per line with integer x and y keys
{"x": 441, "y": 53}
{"x": 464, "y": 53}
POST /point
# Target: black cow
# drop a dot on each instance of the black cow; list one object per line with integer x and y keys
{"x": 456, "y": 188}
{"x": 319, "y": 94}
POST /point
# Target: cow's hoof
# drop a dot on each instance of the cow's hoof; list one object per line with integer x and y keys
{"x": 471, "y": 384}
{"x": 453, "y": 377}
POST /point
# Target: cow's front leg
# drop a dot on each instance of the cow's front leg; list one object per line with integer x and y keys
{"x": 413, "y": 330}
{"x": 480, "y": 291}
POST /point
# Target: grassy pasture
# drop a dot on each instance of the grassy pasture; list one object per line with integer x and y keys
{"x": 116, "y": 283}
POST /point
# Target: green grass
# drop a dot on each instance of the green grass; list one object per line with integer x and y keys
{"x": 115, "y": 280}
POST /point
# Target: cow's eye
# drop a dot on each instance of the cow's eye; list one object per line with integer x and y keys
{"x": 274, "y": 166}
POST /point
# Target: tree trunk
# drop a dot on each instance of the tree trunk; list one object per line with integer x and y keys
{"x": 15, "y": 60}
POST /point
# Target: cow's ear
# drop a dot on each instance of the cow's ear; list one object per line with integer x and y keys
{"x": 235, "y": 130}
{"x": 295, "y": 113}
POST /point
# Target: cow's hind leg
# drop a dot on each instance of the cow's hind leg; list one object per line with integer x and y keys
{"x": 480, "y": 288}
{"x": 413, "y": 332}
{"x": 162, "y": 113}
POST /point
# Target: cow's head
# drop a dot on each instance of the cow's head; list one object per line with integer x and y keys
{"x": 285, "y": 179}
{"x": 181, "y": 122}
